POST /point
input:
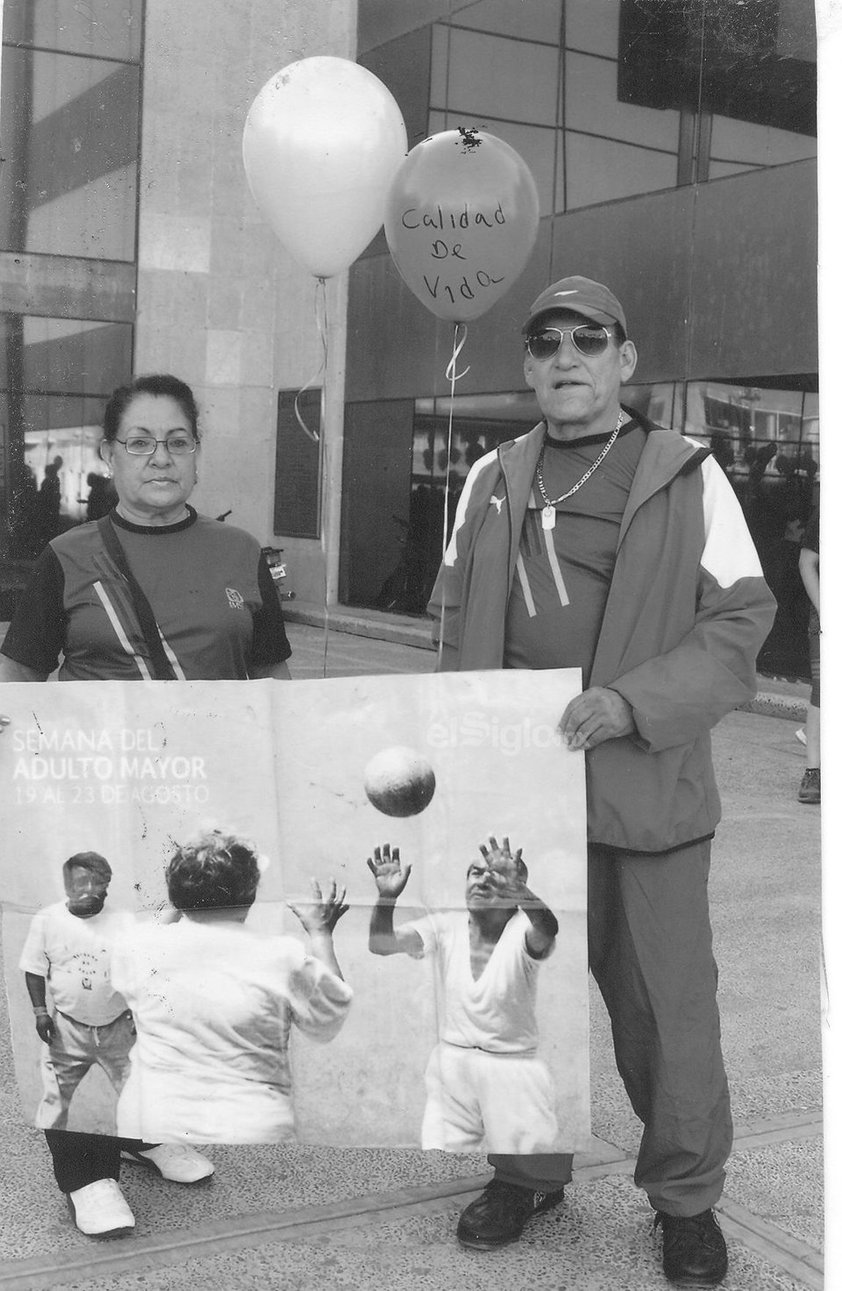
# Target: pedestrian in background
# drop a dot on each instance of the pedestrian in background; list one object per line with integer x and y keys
{"x": 810, "y": 789}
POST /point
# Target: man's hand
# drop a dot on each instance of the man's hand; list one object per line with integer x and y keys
{"x": 389, "y": 875}
{"x": 598, "y": 714}
{"x": 45, "y": 1027}
{"x": 325, "y": 912}
{"x": 506, "y": 872}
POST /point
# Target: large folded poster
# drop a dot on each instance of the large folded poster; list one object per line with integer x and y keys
{"x": 473, "y": 1034}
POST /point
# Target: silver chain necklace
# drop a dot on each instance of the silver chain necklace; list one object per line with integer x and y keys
{"x": 550, "y": 504}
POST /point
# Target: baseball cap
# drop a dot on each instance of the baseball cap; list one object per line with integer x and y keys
{"x": 582, "y": 296}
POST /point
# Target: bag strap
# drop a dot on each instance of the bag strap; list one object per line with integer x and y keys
{"x": 161, "y": 665}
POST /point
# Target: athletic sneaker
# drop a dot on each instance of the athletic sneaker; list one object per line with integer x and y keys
{"x": 695, "y": 1254}
{"x": 500, "y": 1214}
{"x": 810, "y": 789}
{"x": 173, "y": 1161}
{"x": 100, "y": 1209}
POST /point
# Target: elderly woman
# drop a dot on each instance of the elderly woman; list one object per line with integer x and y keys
{"x": 214, "y": 1003}
{"x": 152, "y": 590}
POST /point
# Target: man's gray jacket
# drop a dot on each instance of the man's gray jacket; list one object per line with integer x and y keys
{"x": 686, "y": 614}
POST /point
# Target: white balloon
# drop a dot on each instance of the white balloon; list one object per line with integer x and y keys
{"x": 321, "y": 145}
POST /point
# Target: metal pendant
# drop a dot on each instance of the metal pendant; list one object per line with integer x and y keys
{"x": 548, "y": 518}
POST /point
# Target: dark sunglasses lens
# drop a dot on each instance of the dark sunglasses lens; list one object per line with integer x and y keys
{"x": 590, "y": 340}
{"x": 543, "y": 344}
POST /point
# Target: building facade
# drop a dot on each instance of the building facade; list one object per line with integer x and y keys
{"x": 674, "y": 150}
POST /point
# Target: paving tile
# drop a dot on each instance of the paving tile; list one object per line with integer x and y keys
{"x": 782, "y": 1184}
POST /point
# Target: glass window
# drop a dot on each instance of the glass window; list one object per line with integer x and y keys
{"x": 473, "y": 425}
{"x": 55, "y": 377}
{"x": 63, "y": 354}
{"x": 810, "y": 428}
{"x": 722, "y": 169}
{"x": 661, "y": 402}
{"x": 403, "y": 65}
{"x": 439, "y": 67}
{"x": 70, "y": 136}
{"x": 740, "y": 145}
{"x": 102, "y": 27}
{"x": 479, "y": 424}
{"x": 591, "y": 105}
{"x": 512, "y": 79}
{"x": 536, "y": 20}
{"x": 767, "y": 441}
{"x": 747, "y": 78}
{"x": 600, "y": 170}
{"x": 49, "y": 473}
{"x": 298, "y": 465}
{"x": 594, "y": 27}
{"x": 500, "y": 416}
{"x": 797, "y": 29}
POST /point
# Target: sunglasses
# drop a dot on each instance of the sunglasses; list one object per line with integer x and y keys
{"x": 589, "y": 339}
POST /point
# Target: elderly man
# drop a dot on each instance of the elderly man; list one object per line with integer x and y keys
{"x": 601, "y": 541}
{"x": 486, "y": 1086}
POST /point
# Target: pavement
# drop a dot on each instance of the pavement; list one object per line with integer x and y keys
{"x": 315, "y": 1219}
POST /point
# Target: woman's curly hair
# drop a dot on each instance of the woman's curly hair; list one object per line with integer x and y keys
{"x": 213, "y": 872}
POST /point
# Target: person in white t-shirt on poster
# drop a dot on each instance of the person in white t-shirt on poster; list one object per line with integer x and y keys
{"x": 485, "y": 1084}
{"x": 214, "y": 1002}
{"x": 68, "y": 950}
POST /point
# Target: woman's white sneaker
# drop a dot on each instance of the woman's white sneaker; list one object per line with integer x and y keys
{"x": 175, "y": 1161}
{"x": 100, "y": 1209}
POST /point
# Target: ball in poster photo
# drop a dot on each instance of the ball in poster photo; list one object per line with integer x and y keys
{"x": 399, "y": 782}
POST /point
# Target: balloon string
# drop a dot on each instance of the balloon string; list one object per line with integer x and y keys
{"x": 450, "y": 371}
{"x": 320, "y": 312}
{"x": 460, "y": 335}
{"x": 320, "y": 437}
{"x": 322, "y": 326}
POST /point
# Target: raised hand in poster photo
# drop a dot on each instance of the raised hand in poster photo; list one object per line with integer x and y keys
{"x": 320, "y": 919}
{"x": 485, "y": 1083}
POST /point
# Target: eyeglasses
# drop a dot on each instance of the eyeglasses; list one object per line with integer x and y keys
{"x": 145, "y": 445}
{"x": 588, "y": 340}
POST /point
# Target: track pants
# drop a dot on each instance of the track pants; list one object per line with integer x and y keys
{"x": 74, "y": 1049}
{"x": 650, "y": 951}
{"x": 80, "y": 1159}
